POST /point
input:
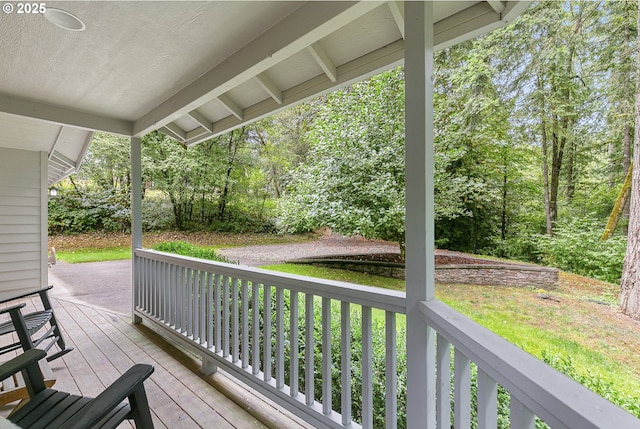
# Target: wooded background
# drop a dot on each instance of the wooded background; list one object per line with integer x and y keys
{"x": 534, "y": 129}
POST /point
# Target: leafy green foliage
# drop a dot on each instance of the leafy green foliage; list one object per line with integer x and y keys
{"x": 187, "y": 249}
{"x": 576, "y": 247}
{"x": 593, "y": 382}
{"x": 74, "y": 213}
{"x": 353, "y": 179}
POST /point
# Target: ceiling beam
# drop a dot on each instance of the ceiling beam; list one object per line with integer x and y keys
{"x": 323, "y": 60}
{"x": 64, "y": 116}
{"x": 464, "y": 25}
{"x": 497, "y": 5}
{"x": 271, "y": 88}
{"x": 175, "y": 132}
{"x": 397, "y": 10}
{"x": 303, "y": 27}
{"x": 58, "y": 139}
{"x": 202, "y": 120}
{"x": 474, "y": 21}
{"x": 368, "y": 65}
{"x": 56, "y": 158}
{"x": 231, "y": 106}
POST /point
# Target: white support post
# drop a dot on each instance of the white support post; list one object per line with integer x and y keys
{"x": 136, "y": 217}
{"x": 420, "y": 280}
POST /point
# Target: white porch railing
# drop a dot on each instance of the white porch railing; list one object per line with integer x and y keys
{"x": 265, "y": 328}
{"x": 271, "y": 330}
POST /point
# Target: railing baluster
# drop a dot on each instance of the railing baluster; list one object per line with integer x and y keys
{"x": 171, "y": 283}
{"x": 326, "y": 355}
{"x": 182, "y": 300}
{"x": 245, "y": 324}
{"x": 279, "y": 337}
{"x": 163, "y": 283}
{"x": 189, "y": 302}
{"x": 443, "y": 383}
{"x": 293, "y": 341}
{"x": 196, "y": 306}
{"x": 391, "y": 392}
{"x": 158, "y": 287}
{"x": 226, "y": 332}
{"x": 204, "y": 315}
{"x": 266, "y": 340}
{"x": 462, "y": 391}
{"x": 217, "y": 313}
{"x": 235, "y": 327}
{"x": 367, "y": 368}
{"x": 149, "y": 301}
{"x": 255, "y": 325}
{"x": 160, "y": 290}
{"x": 345, "y": 364}
{"x": 309, "y": 349}
{"x": 152, "y": 288}
{"x": 487, "y": 401}
{"x": 211, "y": 278}
{"x": 520, "y": 416}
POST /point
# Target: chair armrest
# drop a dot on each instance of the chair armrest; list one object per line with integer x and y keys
{"x": 20, "y": 362}
{"x": 33, "y": 292}
{"x": 118, "y": 391}
{"x": 13, "y": 307}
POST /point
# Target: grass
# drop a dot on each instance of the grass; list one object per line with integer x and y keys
{"x": 94, "y": 254}
{"x": 598, "y": 338}
{"x": 338, "y": 275}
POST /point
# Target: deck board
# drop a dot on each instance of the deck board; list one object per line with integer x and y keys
{"x": 107, "y": 344}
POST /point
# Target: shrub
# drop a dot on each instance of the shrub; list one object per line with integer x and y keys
{"x": 576, "y": 247}
{"x": 187, "y": 249}
{"x": 594, "y": 383}
{"x": 157, "y": 212}
{"x": 103, "y": 211}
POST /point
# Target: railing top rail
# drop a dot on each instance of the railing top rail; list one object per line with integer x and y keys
{"x": 384, "y": 299}
{"x": 552, "y": 396}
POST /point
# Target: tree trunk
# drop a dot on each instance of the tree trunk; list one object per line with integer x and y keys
{"x": 232, "y": 152}
{"x": 630, "y": 282}
{"x": 505, "y": 183}
{"x": 545, "y": 178}
{"x": 618, "y": 208}
{"x": 626, "y": 163}
{"x": 570, "y": 182}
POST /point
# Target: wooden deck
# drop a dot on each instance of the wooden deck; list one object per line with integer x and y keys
{"x": 107, "y": 344}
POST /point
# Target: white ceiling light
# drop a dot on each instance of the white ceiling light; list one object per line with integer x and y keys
{"x": 64, "y": 19}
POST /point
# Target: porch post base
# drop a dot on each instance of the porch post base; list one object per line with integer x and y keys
{"x": 208, "y": 366}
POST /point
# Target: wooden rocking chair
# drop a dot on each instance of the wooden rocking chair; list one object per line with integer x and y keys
{"x": 52, "y": 409}
{"x": 35, "y": 322}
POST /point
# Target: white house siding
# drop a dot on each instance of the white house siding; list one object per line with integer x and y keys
{"x": 23, "y": 212}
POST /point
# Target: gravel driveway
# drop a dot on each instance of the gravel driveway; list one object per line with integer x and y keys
{"x": 328, "y": 245}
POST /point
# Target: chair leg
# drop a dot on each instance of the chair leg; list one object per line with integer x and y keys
{"x": 140, "y": 409}
{"x": 56, "y": 329}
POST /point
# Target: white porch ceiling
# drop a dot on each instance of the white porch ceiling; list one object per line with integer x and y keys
{"x": 195, "y": 70}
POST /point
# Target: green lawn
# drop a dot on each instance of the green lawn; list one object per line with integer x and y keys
{"x": 94, "y": 255}
{"x": 574, "y": 328}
